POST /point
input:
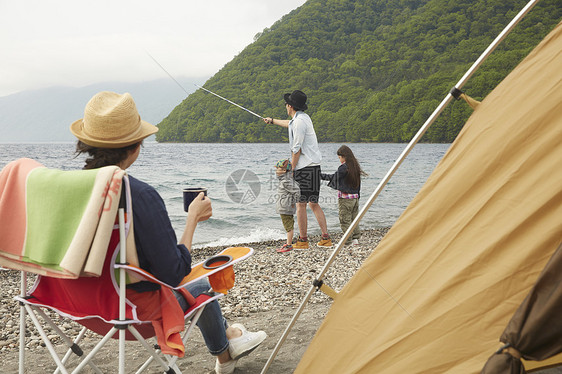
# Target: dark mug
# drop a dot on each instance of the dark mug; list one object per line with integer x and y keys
{"x": 189, "y": 194}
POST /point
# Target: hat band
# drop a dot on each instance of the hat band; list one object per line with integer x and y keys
{"x": 110, "y": 137}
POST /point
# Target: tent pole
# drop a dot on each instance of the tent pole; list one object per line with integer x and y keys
{"x": 395, "y": 167}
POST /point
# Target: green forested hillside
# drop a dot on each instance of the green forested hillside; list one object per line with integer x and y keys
{"x": 373, "y": 70}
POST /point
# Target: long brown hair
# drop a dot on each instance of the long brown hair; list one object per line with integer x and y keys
{"x": 100, "y": 157}
{"x": 354, "y": 171}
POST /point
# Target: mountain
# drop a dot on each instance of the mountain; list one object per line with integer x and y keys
{"x": 374, "y": 70}
{"x": 45, "y": 115}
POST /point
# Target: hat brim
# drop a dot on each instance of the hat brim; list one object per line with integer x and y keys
{"x": 288, "y": 100}
{"x": 146, "y": 129}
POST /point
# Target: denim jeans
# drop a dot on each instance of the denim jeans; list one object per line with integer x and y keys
{"x": 212, "y": 324}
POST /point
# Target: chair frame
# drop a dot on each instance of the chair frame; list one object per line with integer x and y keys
{"x": 166, "y": 362}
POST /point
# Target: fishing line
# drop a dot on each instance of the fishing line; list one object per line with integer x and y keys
{"x": 174, "y": 79}
{"x": 166, "y": 71}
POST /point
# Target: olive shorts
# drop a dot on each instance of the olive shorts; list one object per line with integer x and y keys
{"x": 288, "y": 221}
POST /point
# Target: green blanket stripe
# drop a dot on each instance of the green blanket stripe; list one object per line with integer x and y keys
{"x": 55, "y": 205}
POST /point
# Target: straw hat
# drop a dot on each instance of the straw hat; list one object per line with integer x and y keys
{"x": 111, "y": 120}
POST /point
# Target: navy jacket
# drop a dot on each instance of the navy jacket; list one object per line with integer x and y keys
{"x": 157, "y": 246}
{"x": 337, "y": 180}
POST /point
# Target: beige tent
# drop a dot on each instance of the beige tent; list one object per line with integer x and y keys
{"x": 441, "y": 287}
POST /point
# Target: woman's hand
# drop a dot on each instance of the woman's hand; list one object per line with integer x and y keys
{"x": 200, "y": 208}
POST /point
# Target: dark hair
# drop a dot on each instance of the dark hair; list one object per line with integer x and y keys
{"x": 354, "y": 171}
{"x": 100, "y": 157}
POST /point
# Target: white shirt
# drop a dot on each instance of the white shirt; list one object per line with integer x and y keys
{"x": 303, "y": 137}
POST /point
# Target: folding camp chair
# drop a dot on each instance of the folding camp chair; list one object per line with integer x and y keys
{"x": 99, "y": 303}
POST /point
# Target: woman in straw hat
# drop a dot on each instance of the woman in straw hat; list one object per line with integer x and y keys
{"x": 111, "y": 133}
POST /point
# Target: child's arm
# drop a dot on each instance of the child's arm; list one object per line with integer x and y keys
{"x": 331, "y": 178}
{"x": 335, "y": 179}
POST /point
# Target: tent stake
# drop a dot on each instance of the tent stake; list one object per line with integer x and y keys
{"x": 395, "y": 167}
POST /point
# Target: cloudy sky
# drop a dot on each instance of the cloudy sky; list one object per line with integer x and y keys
{"x": 77, "y": 43}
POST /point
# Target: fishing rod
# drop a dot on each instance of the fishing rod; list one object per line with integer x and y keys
{"x": 184, "y": 90}
{"x": 231, "y": 102}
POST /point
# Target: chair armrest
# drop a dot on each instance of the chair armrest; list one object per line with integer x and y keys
{"x": 198, "y": 271}
{"x": 141, "y": 274}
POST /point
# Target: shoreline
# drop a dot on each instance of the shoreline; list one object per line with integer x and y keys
{"x": 265, "y": 297}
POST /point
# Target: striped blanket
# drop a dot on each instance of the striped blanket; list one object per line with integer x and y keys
{"x": 57, "y": 223}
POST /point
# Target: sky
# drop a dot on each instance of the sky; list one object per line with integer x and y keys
{"x": 76, "y": 43}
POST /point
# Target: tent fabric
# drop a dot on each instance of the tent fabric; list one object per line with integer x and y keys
{"x": 535, "y": 330}
{"x": 442, "y": 285}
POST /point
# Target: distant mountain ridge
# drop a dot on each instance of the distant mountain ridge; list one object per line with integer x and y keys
{"x": 45, "y": 115}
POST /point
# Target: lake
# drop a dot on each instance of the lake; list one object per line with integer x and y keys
{"x": 242, "y": 184}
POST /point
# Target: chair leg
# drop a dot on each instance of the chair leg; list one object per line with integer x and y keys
{"x": 46, "y": 339}
{"x": 70, "y": 351}
{"x": 145, "y": 365}
{"x": 23, "y": 325}
{"x": 22, "y": 340}
{"x": 121, "y": 350}
{"x": 23, "y": 329}
{"x": 172, "y": 359}
{"x": 172, "y": 367}
{"x": 73, "y": 346}
{"x": 149, "y": 349}
{"x": 95, "y": 350}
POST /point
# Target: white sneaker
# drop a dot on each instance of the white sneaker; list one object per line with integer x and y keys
{"x": 226, "y": 368}
{"x": 355, "y": 242}
{"x": 245, "y": 344}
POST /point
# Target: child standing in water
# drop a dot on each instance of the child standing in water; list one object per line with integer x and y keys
{"x": 288, "y": 195}
{"x": 347, "y": 180}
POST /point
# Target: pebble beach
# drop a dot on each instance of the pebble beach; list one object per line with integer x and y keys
{"x": 269, "y": 289}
